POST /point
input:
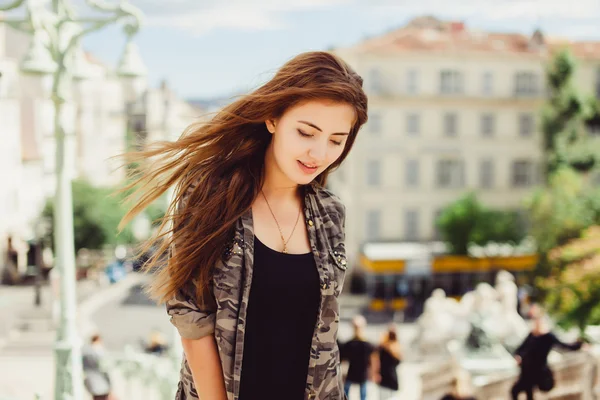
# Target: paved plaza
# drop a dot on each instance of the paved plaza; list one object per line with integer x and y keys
{"x": 123, "y": 315}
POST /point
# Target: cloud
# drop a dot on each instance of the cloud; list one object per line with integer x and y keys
{"x": 494, "y": 9}
{"x": 574, "y": 18}
{"x": 203, "y": 16}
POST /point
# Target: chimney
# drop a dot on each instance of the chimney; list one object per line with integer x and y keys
{"x": 457, "y": 27}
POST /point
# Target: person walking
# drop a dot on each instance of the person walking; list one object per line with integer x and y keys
{"x": 390, "y": 357}
{"x": 256, "y": 248}
{"x": 96, "y": 378}
{"x": 362, "y": 359}
{"x": 461, "y": 387}
{"x": 532, "y": 357}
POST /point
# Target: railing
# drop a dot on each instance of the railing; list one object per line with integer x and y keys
{"x": 577, "y": 376}
{"x": 139, "y": 376}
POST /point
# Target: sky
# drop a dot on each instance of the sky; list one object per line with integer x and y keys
{"x": 215, "y": 48}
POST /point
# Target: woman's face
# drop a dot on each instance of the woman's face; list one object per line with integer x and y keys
{"x": 308, "y": 138}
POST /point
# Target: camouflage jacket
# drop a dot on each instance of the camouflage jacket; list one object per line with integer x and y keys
{"x": 225, "y": 318}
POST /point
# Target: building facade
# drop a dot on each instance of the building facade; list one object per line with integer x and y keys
{"x": 451, "y": 110}
{"x": 96, "y": 122}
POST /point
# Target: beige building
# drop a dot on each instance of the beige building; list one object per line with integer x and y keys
{"x": 102, "y": 107}
{"x": 450, "y": 110}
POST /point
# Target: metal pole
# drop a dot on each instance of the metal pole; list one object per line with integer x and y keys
{"x": 55, "y": 22}
{"x": 69, "y": 375}
{"x": 38, "y": 271}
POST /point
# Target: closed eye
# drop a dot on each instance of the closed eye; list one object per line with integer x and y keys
{"x": 304, "y": 134}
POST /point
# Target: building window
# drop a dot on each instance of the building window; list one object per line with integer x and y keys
{"x": 412, "y": 173}
{"x": 450, "y": 174}
{"x": 487, "y": 84}
{"x": 373, "y": 225}
{"x": 451, "y": 82}
{"x": 523, "y": 173}
{"x": 375, "y": 124}
{"x": 526, "y": 125}
{"x": 411, "y": 225}
{"x": 488, "y": 125}
{"x": 526, "y": 84}
{"x": 375, "y": 83}
{"x": 450, "y": 124}
{"x": 412, "y": 81}
{"x": 373, "y": 173}
{"x": 413, "y": 123}
{"x": 486, "y": 174}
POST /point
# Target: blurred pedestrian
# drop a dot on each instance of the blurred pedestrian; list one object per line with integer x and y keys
{"x": 10, "y": 272}
{"x": 96, "y": 378}
{"x": 362, "y": 359}
{"x": 256, "y": 247}
{"x": 156, "y": 344}
{"x": 461, "y": 387}
{"x": 532, "y": 356}
{"x": 390, "y": 357}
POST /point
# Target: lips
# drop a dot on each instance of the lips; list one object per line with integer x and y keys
{"x": 307, "y": 168}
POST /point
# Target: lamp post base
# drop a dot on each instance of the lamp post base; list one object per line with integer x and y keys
{"x": 69, "y": 381}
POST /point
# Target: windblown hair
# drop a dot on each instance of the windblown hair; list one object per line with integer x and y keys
{"x": 217, "y": 168}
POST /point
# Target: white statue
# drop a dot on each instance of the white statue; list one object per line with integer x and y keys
{"x": 515, "y": 327}
{"x": 493, "y": 309}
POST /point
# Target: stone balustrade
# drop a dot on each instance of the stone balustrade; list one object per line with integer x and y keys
{"x": 577, "y": 376}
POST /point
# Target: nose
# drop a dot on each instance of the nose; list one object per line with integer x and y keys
{"x": 318, "y": 152}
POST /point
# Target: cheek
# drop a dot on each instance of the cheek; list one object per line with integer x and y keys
{"x": 287, "y": 145}
{"x": 334, "y": 153}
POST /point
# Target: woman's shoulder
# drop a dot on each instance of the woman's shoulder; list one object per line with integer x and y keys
{"x": 327, "y": 200}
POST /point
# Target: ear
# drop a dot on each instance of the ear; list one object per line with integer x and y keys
{"x": 270, "y": 123}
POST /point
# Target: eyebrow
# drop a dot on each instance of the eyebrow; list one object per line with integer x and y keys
{"x": 320, "y": 130}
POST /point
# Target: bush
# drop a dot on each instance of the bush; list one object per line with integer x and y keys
{"x": 96, "y": 215}
{"x": 467, "y": 221}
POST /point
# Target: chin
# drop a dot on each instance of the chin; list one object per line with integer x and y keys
{"x": 301, "y": 179}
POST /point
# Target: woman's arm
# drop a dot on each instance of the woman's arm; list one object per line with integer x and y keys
{"x": 195, "y": 320}
{"x": 569, "y": 346}
{"x": 203, "y": 358}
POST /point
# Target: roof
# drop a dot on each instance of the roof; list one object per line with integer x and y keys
{"x": 429, "y": 34}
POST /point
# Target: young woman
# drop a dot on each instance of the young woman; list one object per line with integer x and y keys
{"x": 257, "y": 257}
{"x": 389, "y": 359}
{"x": 532, "y": 356}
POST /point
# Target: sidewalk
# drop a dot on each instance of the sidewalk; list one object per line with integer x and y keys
{"x": 27, "y": 341}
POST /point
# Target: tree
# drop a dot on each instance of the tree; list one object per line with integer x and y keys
{"x": 573, "y": 287}
{"x": 467, "y": 221}
{"x": 96, "y": 215}
{"x": 566, "y": 118}
{"x": 561, "y": 210}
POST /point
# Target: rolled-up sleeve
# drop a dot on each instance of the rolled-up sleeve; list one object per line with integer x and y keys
{"x": 192, "y": 319}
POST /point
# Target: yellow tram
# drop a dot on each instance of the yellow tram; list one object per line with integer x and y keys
{"x": 401, "y": 276}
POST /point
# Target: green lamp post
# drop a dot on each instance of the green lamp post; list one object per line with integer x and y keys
{"x": 56, "y": 32}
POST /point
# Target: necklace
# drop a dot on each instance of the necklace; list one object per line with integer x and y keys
{"x": 285, "y": 242}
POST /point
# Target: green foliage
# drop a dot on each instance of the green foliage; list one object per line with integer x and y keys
{"x": 498, "y": 226}
{"x": 96, "y": 215}
{"x": 565, "y": 119}
{"x": 467, "y": 221}
{"x": 573, "y": 287}
{"x": 560, "y": 211}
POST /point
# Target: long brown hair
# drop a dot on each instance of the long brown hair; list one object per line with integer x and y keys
{"x": 217, "y": 168}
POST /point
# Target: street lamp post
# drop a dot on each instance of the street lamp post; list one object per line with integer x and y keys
{"x": 56, "y": 33}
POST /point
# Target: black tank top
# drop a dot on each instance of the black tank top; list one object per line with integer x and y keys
{"x": 280, "y": 322}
